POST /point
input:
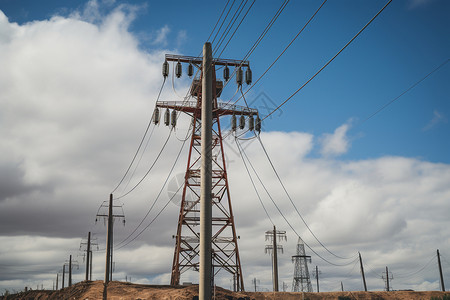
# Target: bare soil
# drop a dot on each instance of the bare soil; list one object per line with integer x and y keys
{"x": 129, "y": 291}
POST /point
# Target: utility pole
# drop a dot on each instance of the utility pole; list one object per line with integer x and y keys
{"x": 440, "y": 271}
{"x": 88, "y": 251}
{"x": 57, "y": 280}
{"x": 206, "y": 177}
{"x": 342, "y": 287}
{"x": 285, "y": 286}
{"x": 109, "y": 216}
{"x": 108, "y": 248}
{"x": 316, "y": 275}
{"x": 281, "y": 234}
{"x": 255, "y": 282}
{"x": 387, "y": 278}
{"x": 70, "y": 270}
{"x": 301, "y": 281}
{"x": 63, "y": 274}
{"x": 362, "y": 272}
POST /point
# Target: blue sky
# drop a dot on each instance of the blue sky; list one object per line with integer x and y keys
{"x": 79, "y": 83}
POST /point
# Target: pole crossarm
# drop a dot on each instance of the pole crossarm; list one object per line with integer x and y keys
{"x": 215, "y": 61}
{"x": 221, "y": 109}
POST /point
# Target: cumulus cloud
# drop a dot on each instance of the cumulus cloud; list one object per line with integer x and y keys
{"x": 77, "y": 94}
{"x": 337, "y": 143}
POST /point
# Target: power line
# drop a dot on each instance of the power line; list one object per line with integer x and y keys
{"x": 140, "y": 144}
{"x": 407, "y": 90}
{"x": 288, "y": 195}
{"x": 157, "y": 197}
{"x": 283, "y": 216}
{"x": 260, "y": 38}
{"x": 151, "y": 167}
{"x": 340, "y": 51}
{"x": 285, "y": 49}
{"x": 230, "y": 25}
{"x": 253, "y": 183}
{"x": 218, "y": 20}
{"x": 237, "y": 27}
{"x": 223, "y": 21}
{"x": 153, "y": 220}
{"x": 293, "y": 204}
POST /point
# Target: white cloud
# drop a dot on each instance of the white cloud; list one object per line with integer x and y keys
{"x": 337, "y": 143}
{"x": 161, "y": 36}
{"x": 438, "y": 117}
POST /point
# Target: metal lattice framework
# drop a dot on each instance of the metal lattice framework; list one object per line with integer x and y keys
{"x": 225, "y": 253}
{"x": 301, "y": 281}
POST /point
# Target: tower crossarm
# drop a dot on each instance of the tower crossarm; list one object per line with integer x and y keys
{"x": 222, "y": 108}
{"x": 215, "y": 61}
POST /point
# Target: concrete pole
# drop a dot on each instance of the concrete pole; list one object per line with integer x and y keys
{"x": 205, "y": 277}
{"x": 64, "y": 272}
{"x": 88, "y": 250}
{"x": 70, "y": 270}
{"x": 362, "y": 272}
{"x": 387, "y": 279}
{"x": 275, "y": 260}
{"x": 440, "y": 271}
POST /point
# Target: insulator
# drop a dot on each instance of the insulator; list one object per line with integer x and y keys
{"x": 258, "y": 124}
{"x": 248, "y": 76}
{"x": 174, "y": 118}
{"x": 239, "y": 76}
{"x": 156, "y": 116}
{"x": 242, "y": 122}
{"x": 233, "y": 122}
{"x": 178, "y": 69}
{"x": 190, "y": 70}
{"x": 226, "y": 73}
{"x": 165, "y": 69}
{"x": 251, "y": 123}
{"x": 167, "y": 117}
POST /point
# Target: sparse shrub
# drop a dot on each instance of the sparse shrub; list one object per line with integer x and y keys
{"x": 445, "y": 297}
{"x": 344, "y": 298}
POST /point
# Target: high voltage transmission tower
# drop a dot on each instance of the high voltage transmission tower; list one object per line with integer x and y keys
{"x": 273, "y": 249}
{"x": 206, "y": 199}
{"x": 301, "y": 281}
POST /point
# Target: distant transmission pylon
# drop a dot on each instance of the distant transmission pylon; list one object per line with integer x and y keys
{"x": 224, "y": 246}
{"x": 301, "y": 281}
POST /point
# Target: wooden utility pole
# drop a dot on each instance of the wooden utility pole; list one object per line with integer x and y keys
{"x": 63, "y": 275}
{"x": 273, "y": 234}
{"x": 205, "y": 278}
{"x": 275, "y": 261}
{"x": 70, "y": 270}
{"x": 88, "y": 255}
{"x": 440, "y": 271}
{"x": 362, "y": 272}
{"x": 108, "y": 247}
{"x": 57, "y": 281}
{"x": 387, "y": 279}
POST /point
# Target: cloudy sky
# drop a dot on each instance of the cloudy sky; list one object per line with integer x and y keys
{"x": 79, "y": 82}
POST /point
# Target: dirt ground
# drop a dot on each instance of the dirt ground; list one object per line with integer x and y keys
{"x": 129, "y": 291}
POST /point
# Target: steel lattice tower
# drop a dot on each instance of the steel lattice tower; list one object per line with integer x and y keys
{"x": 225, "y": 253}
{"x": 301, "y": 281}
